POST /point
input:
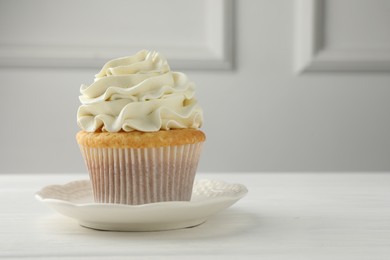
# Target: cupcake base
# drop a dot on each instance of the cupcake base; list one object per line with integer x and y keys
{"x": 142, "y": 175}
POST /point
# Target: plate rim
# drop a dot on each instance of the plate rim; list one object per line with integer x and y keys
{"x": 211, "y": 200}
{"x": 122, "y": 217}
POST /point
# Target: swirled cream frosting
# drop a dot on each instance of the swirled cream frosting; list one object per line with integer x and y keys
{"x": 141, "y": 93}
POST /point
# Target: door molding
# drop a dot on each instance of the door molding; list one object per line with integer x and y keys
{"x": 311, "y": 54}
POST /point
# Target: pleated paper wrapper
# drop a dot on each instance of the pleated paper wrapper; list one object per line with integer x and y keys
{"x": 136, "y": 176}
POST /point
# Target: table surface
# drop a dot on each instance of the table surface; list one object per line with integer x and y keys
{"x": 284, "y": 216}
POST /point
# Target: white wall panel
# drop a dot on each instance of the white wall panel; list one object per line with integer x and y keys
{"x": 342, "y": 35}
{"x": 44, "y": 33}
{"x": 259, "y": 116}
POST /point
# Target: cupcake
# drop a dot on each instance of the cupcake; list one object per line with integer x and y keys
{"x": 140, "y": 135}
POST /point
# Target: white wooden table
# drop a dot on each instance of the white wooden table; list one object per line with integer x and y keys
{"x": 284, "y": 216}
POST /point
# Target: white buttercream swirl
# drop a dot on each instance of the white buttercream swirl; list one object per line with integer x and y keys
{"x": 141, "y": 93}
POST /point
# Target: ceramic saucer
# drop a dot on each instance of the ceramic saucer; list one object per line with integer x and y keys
{"x": 75, "y": 200}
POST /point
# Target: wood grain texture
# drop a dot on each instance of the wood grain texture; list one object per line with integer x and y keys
{"x": 284, "y": 216}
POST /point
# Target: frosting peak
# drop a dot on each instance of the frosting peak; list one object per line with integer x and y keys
{"x": 144, "y": 62}
{"x": 141, "y": 93}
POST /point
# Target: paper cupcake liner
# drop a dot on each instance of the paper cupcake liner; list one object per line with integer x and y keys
{"x": 142, "y": 175}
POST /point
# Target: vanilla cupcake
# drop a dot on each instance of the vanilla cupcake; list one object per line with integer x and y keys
{"x": 140, "y": 137}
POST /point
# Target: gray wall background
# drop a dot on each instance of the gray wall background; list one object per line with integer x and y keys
{"x": 259, "y": 116}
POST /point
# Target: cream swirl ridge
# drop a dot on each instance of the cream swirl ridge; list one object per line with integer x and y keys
{"x": 141, "y": 93}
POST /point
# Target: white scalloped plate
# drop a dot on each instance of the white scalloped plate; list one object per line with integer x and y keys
{"x": 75, "y": 200}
